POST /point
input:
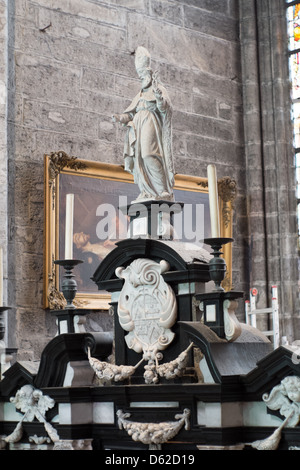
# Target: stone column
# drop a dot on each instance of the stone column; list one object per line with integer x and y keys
{"x": 253, "y": 147}
{"x": 269, "y": 158}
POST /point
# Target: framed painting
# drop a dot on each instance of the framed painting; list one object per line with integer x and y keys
{"x": 98, "y": 190}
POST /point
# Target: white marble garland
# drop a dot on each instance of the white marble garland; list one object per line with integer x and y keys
{"x": 153, "y": 433}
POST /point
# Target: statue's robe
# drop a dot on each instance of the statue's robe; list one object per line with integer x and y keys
{"x": 148, "y": 144}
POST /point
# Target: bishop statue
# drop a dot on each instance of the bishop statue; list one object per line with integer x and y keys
{"x": 148, "y": 142}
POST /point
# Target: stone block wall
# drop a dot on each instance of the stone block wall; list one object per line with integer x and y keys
{"x": 269, "y": 155}
{"x": 3, "y": 146}
{"x": 71, "y": 65}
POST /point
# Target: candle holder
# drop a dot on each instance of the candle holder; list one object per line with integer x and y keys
{"x": 69, "y": 284}
{"x": 2, "y": 325}
{"x": 217, "y": 265}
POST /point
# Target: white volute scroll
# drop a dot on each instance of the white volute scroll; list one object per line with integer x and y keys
{"x": 147, "y": 307}
{"x": 232, "y": 326}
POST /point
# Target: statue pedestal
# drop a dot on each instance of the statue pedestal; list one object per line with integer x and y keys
{"x": 70, "y": 320}
{"x": 152, "y": 219}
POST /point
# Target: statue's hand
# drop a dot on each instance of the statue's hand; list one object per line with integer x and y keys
{"x": 115, "y": 118}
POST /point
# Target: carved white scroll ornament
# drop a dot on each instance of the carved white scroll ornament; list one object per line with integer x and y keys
{"x": 147, "y": 307}
{"x": 153, "y": 433}
{"x": 232, "y": 326}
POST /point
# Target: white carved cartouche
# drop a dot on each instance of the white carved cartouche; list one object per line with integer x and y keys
{"x": 147, "y": 307}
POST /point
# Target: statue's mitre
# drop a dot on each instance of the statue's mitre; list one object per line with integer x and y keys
{"x": 142, "y": 58}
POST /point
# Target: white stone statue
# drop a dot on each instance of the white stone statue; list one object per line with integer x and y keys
{"x": 148, "y": 143}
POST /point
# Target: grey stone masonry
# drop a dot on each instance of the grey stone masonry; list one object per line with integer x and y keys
{"x": 272, "y": 240}
{"x": 70, "y": 65}
{"x": 3, "y": 146}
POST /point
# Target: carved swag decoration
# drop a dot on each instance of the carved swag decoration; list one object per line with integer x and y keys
{"x": 153, "y": 434}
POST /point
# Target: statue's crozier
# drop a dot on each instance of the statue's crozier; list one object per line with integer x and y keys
{"x": 148, "y": 143}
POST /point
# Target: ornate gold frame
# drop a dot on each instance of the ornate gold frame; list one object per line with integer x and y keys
{"x": 59, "y": 162}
